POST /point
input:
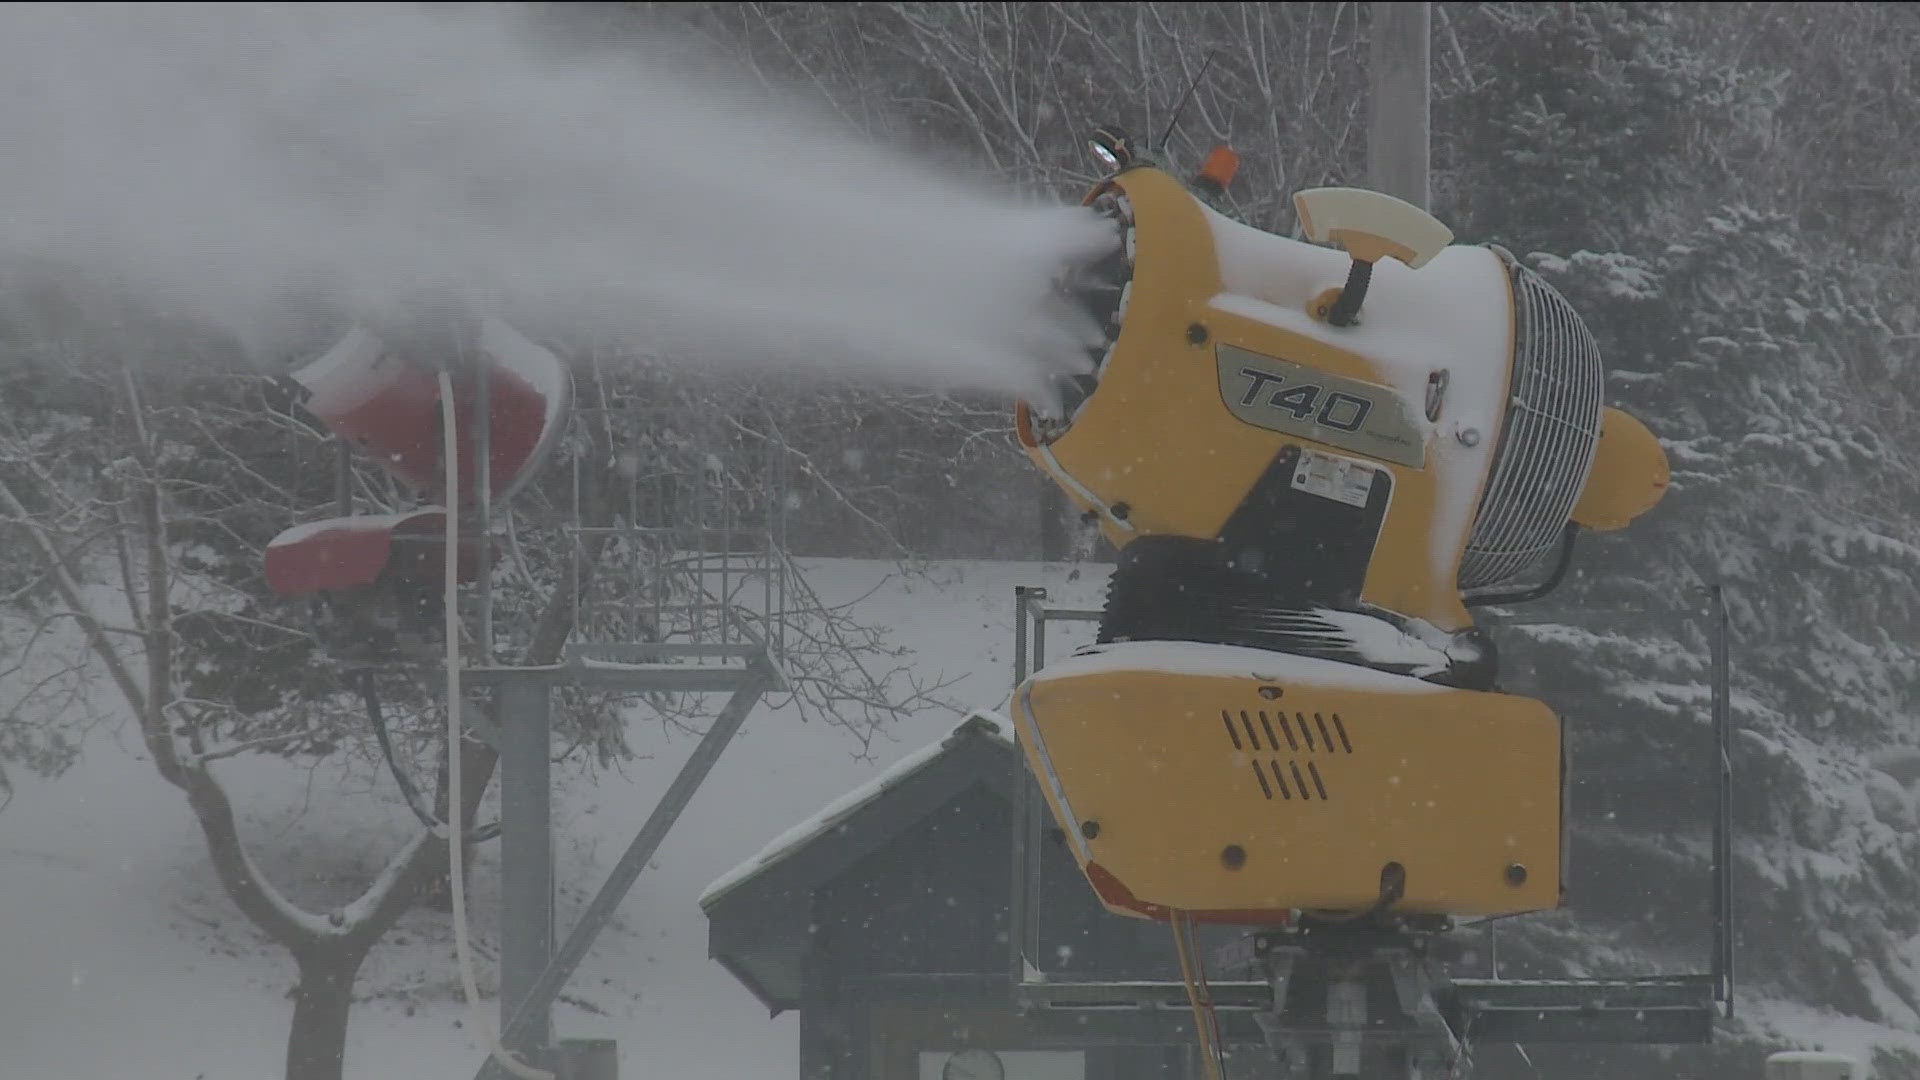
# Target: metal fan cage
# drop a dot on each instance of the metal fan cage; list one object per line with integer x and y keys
{"x": 1547, "y": 443}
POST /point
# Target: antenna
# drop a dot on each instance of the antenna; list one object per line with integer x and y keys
{"x": 1174, "y": 121}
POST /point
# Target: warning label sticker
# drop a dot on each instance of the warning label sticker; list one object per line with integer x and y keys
{"x": 1338, "y": 478}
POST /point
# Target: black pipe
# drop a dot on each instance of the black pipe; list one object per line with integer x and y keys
{"x": 409, "y": 791}
{"x": 1346, "y": 309}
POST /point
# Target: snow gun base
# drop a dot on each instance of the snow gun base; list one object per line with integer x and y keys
{"x": 1228, "y": 784}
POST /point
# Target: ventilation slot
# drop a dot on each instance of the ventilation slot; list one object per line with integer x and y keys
{"x": 1280, "y": 781}
{"x": 1319, "y": 733}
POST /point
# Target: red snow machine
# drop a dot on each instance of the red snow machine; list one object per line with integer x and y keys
{"x": 382, "y": 574}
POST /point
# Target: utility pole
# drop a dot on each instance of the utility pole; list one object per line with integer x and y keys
{"x": 1399, "y": 101}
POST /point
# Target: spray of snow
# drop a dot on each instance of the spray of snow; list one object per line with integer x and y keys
{"x": 235, "y": 163}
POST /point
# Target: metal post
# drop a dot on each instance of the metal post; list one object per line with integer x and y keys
{"x": 526, "y": 859}
{"x": 1029, "y": 805}
{"x": 1032, "y": 824}
{"x": 1022, "y": 595}
{"x": 483, "y": 491}
{"x": 1723, "y": 801}
{"x": 1493, "y": 949}
{"x": 1017, "y": 808}
{"x": 726, "y": 558}
{"x": 1017, "y": 892}
{"x": 538, "y": 998}
{"x": 1398, "y": 102}
{"x": 774, "y": 494}
{"x": 1039, "y": 639}
{"x": 342, "y": 477}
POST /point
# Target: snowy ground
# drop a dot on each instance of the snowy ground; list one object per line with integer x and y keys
{"x": 120, "y": 956}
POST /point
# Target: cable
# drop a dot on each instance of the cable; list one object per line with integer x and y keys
{"x": 456, "y": 843}
{"x": 1206, "y": 1020}
{"x": 409, "y": 791}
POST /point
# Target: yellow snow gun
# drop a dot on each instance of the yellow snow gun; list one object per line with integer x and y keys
{"x": 1313, "y": 459}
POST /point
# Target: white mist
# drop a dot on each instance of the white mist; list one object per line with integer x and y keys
{"x": 221, "y": 160}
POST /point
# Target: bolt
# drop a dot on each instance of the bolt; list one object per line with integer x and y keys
{"x": 1393, "y": 881}
{"x": 1120, "y": 511}
{"x": 1516, "y": 874}
{"x": 1270, "y": 692}
{"x": 1090, "y": 829}
{"x": 1196, "y": 334}
{"x": 1469, "y": 436}
{"x": 1233, "y": 856}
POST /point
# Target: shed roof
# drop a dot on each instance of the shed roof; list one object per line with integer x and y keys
{"x": 759, "y": 912}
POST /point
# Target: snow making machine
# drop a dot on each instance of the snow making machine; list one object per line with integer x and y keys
{"x": 1314, "y": 461}
{"x": 378, "y": 577}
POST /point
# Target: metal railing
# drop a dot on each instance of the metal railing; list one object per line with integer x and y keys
{"x": 694, "y": 544}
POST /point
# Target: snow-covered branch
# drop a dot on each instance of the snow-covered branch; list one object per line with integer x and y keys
{"x": 75, "y": 598}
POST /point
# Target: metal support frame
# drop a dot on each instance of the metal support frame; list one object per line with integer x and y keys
{"x": 1324, "y": 1015}
{"x": 1024, "y": 818}
{"x": 526, "y": 852}
{"x": 532, "y": 970}
{"x": 697, "y": 545}
{"x": 483, "y": 503}
{"x": 1660, "y": 1009}
{"x": 1028, "y": 822}
{"x": 719, "y": 650}
{"x": 1722, "y": 965}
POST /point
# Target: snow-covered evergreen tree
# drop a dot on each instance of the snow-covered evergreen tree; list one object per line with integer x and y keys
{"x": 1602, "y": 143}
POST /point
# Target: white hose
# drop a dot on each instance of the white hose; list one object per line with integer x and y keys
{"x": 456, "y": 829}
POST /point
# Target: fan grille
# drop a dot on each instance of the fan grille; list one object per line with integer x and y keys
{"x": 1548, "y": 441}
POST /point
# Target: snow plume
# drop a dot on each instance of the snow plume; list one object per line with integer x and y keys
{"x": 235, "y": 162}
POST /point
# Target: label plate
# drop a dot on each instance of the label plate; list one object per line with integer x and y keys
{"x": 1283, "y": 396}
{"x": 1330, "y": 476}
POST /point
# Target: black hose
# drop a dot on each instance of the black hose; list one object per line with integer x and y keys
{"x": 409, "y": 791}
{"x": 1346, "y": 309}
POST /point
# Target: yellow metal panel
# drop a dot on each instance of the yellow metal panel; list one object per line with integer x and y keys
{"x": 1319, "y": 773}
{"x": 1630, "y": 474}
{"x": 1159, "y": 441}
{"x": 1134, "y": 441}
